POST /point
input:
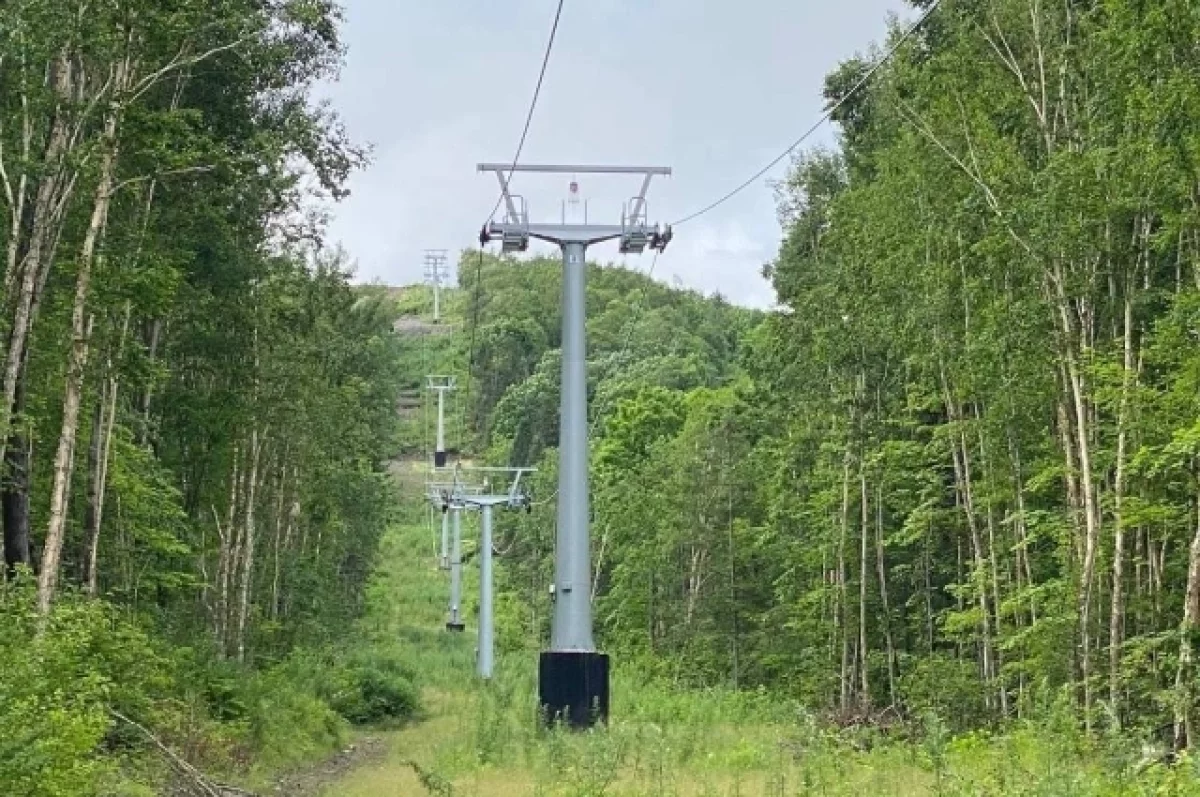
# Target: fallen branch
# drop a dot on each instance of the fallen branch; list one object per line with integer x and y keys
{"x": 207, "y": 787}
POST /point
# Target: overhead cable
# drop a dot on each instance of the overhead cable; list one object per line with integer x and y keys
{"x": 870, "y": 73}
{"x": 537, "y": 93}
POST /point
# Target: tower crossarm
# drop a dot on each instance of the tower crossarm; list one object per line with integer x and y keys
{"x": 634, "y": 233}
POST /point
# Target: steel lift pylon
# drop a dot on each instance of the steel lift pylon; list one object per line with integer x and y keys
{"x": 454, "y": 498}
{"x": 485, "y": 501}
{"x": 448, "y": 498}
{"x": 573, "y": 677}
{"x": 441, "y": 384}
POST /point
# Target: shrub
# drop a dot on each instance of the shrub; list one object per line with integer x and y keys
{"x": 372, "y": 687}
{"x": 287, "y": 722}
{"x": 56, "y": 688}
{"x": 947, "y": 687}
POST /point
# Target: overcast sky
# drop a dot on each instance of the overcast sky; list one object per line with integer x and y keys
{"x": 712, "y": 88}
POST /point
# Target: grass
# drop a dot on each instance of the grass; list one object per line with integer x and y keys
{"x": 483, "y": 739}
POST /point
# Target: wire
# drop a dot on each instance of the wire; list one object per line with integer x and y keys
{"x": 824, "y": 118}
{"x": 537, "y": 91}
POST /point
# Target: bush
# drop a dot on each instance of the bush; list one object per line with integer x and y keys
{"x": 57, "y": 686}
{"x": 372, "y": 687}
{"x": 947, "y": 687}
{"x": 288, "y": 723}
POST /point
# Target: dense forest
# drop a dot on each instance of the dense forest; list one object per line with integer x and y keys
{"x": 196, "y": 403}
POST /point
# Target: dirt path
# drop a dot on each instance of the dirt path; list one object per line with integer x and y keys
{"x": 413, "y": 325}
{"x": 364, "y": 752}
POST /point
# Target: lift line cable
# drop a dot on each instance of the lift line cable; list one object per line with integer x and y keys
{"x": 887, "y": 57}
{"x": 537, "y": 91}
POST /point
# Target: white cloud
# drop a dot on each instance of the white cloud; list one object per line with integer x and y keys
{"x": 722, "y": 257}
{"x": 712, "y": 89}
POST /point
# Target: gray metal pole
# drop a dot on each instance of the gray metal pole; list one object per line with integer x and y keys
{"x": 444, "y": 561}
{"x": 573, "y": 676}
{"x": 486, "y": 654}
{"x": 456, "y": 623}
{"x": 441, "y": 423}
{"x": 571, "y": 629}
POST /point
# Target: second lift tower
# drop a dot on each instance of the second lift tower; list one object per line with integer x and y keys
{"x": 440, "y": 384}
{"x": 573, "y": 675}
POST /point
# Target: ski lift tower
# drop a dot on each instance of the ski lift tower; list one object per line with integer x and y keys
{"x": 485, "y": 501}
{"x": 573, "y": 675}
{"x": 436, "y": 275}
{"x": 448, "y": 497}
{"x": 441, "y": 384}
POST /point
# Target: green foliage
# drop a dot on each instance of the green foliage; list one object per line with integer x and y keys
{"x": 198, "y": 406}
{"x": 948, "y": 489}
{"x": 955, "y": 473}
{"x": 946, "y": 687}
{"x": 371, "y": 687}
{"x": 60, "y": 678}
{"x": 287, "y": 723}
{"x": 640, "y": 333}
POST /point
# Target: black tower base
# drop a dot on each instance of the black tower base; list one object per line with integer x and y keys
{"x": 439, "y": 459}
{"x": 573, "y": 688}
{"x": 455, "y": 627}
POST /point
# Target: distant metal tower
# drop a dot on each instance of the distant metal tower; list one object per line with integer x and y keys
{"x": 514, "y": 498}
{"x": 436, "y": 273}
{"x": 572, "y": 675}
{"x": 448, "y": 497}
{"x": 441, "y": 384}
{"x": 453, "y": 498}
{"x": 444, "y": 558}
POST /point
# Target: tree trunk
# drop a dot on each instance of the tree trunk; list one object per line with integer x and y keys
{"x": 735, "y": 641}
{"x": 883, "y": 597}
{"x": 1116, "y": 618}
{"x": 18, "y": 461}
{"x": 865, "y": 698}
{"x": 845, "y": 681}
{"x": 1081, "y": 414}
{"x": 1022, "y": 527}
{"x": 928, "y": 566}
{"x": 54, "y": 186}
{"x": 997, "y": 624}
{"x": 81, "y": 328}
{"x": 91, "y": 522}
{"x": 279, "y": 542}
{"x": 256, "y": 444}
{"x": 225, "y": 555}
{"x": 962, "y": 474}
{"x": 1185, "y": 674}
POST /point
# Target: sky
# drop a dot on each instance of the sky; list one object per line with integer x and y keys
{"x": 713, "y": 89}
